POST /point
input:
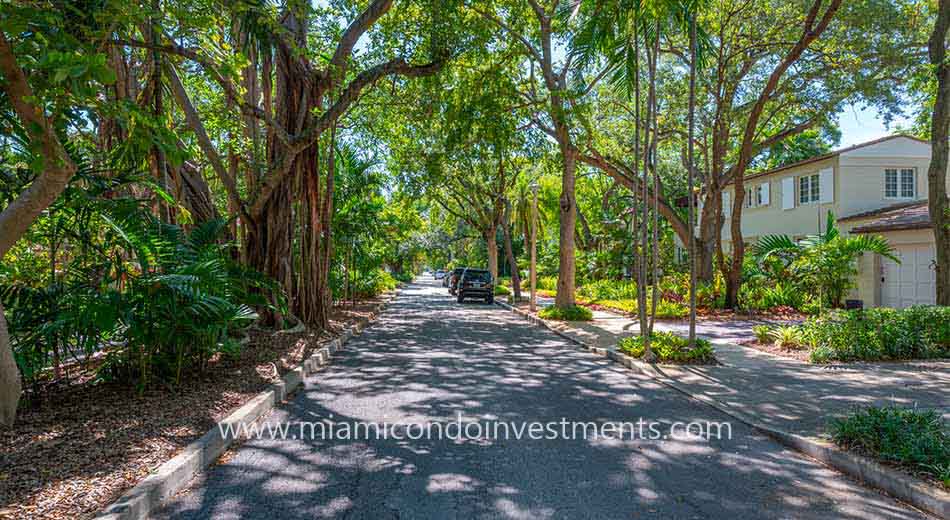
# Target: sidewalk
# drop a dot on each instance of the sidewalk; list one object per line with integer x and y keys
{"x": 780, "y": 392}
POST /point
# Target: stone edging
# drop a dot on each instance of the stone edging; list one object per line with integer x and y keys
{"x": 172, "y": 476}
{"x": 914, "y": 491}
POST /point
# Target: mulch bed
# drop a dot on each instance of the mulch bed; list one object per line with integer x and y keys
{"x": 77, "y": 447}
{"x": 801, "y": 354}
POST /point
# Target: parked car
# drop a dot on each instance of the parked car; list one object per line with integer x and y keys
{"x": 476, "y": 283}
{"x": 454, "y": 278}
{"x": 440, "y": 274}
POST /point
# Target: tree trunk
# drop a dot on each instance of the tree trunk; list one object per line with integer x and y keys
{"x": 16, "y": 218}
{"x": 937, "y": 173}
{"x": 492, "y": 247}
{"x": 568, "y": 220}
{"x": 9, "y": 376}
{"x": 510, "y": 253}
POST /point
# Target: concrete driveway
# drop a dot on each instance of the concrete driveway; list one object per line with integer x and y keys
{"x": 428, "y": 360}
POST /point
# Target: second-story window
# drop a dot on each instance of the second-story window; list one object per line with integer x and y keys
{"x": 760, "y": 195}
{"x": 808, "y": 189}
{"x": 900, "y": 183}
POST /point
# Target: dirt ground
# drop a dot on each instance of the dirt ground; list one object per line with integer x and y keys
{"x": 77, "y": 447}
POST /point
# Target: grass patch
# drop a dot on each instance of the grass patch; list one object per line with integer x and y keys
{"x": 575, "y": 313}
{"x": 919, "y": 332}
{"x": 918, "y": 440}
{"x": 669, "y": 348}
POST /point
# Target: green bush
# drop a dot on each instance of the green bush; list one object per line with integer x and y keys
{"x": 917, "y": 439}
{"x": 575, "y": 313}
{"x": 373, "y": 284}
{"x": 609, "y": 290}
{"x": 501, "y": 290}
{"x": 667, "y": 309}
{"x": 164, "y": 300}
{"x": 763, "y": 333}
{"x": 669, "y": 347}
{"x": 403, "y": 277}
{"x": 547, "y": 283}
{"x": 920, "y": 332}
{"x": 787, "y": 336}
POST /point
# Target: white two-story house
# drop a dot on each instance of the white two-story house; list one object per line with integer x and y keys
{"x": 876, "y": 187}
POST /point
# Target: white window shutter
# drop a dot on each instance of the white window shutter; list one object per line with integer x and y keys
{"x": 827, "y": 185}
{"x": 788, "y": 193}
{"x": 765, "y": 193}
{"x": 726, "y": 204}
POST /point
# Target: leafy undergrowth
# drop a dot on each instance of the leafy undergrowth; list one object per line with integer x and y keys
{"x": 916, "y": 440}
{"x": 669, "y": 348}
{"x": 880, "y": 334}
{"x": 75, "y": 448}
{"x": 574, "y": 313}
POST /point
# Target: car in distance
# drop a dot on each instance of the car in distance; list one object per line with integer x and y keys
{"x": 440, "y": 274}
{"x": 454, "y": 279}
{"x": 476, "y": 283}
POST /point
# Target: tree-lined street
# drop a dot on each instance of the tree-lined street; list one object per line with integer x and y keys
{"x": 429, "y": 359}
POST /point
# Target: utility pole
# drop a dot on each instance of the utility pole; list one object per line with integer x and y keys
{"x": 534, "y": 248}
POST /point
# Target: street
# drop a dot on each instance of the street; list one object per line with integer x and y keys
{"x": 430, "y": 360}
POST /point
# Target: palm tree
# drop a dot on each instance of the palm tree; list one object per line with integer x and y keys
{"x": 826, "y": 260}
{"x": 619, "y": 33}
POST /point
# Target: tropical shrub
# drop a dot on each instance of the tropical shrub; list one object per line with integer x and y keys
{"x": 787, "y": 336}
{"x": 501, "y": 290}
{"x": 547, "y": 283}
{"x": 671, "y": 310}
{"x": 916, "y": 439}
{"x": 762, "y": 297}
{"x": 609, "y": 290}
{"x": 155, "y": 299}
{"x": 669, "y": 347}
{"x": 919, "y": 332}
{"x": 373, "y": 284}
{"x": 825, "y": 261}
{"x": 763, "y": 333}
{"x": 575, "y": 313}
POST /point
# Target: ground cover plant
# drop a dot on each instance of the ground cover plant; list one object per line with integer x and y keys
{"x": 575, "y": 313}
{"x": 880, "y": 334}
{"x": 918, "y": 440}
{"x": 669, "y": 348}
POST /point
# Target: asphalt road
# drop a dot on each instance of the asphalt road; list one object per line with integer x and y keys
{"x": 429, "y": 359}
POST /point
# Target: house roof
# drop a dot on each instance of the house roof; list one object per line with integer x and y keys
{"x": 899, "y": 217}
{"x": 832, "y": 154}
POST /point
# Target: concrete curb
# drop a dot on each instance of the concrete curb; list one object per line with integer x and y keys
{"x": 172, "y": 476}
{"x": 916, "y": 492}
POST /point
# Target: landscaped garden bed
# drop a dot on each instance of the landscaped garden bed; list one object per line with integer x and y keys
{"x": 917, "y": 441}
{"x": 670, "y": 348}
{"x": 880, "y": 334}
{"x": 76, "y": 447}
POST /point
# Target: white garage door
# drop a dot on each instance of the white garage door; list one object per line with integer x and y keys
{"x": 913, "y": 281}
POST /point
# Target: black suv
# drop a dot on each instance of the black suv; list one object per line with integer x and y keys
{"x": 476, "y": 283}
{"x": 453, "y": 278}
